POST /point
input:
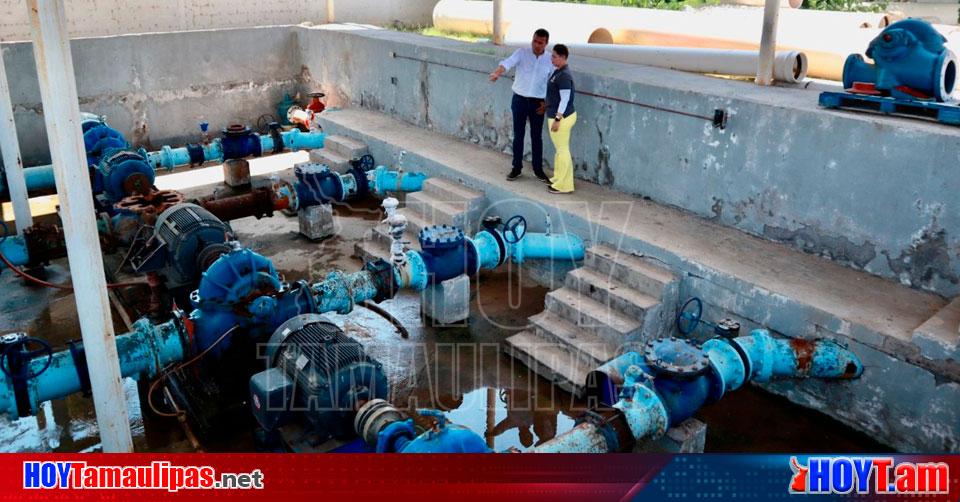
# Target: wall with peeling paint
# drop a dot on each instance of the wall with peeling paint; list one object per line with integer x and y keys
{"x": 875, "y": 193}
{"x": 907, "y": 398}
{"x": 92, "y": 18}
{"x": 156, "y": 88}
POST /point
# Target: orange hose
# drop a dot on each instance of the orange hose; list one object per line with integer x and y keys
{"x": 65, "y": 287}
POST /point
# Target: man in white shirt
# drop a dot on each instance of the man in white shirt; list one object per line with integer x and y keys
{"x": 529, "y": 90}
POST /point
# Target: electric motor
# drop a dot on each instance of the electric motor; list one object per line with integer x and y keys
{"x": 186, "y": 240}
{"x": 319, "y": 377}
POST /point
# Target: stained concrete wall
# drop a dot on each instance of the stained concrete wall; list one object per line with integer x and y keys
{"x": 89, "y": 18}
{"x": 875, "y": 193}
{"x": 157, "y": 88}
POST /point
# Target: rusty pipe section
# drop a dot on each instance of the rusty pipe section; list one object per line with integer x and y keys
{"x": 258, "y": 203}
{"x": 770, "y": 357}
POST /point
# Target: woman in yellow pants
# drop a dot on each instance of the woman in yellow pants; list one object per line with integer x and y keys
{"x": 560, "y": 93}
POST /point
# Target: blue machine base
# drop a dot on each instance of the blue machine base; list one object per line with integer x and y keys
{"x": 941, "y": 112}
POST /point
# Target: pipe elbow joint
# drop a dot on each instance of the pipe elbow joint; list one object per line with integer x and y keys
{"x": 855, "y": 69}
{"x": 643, "y": 409}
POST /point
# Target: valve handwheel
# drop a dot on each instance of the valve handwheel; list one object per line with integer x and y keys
{"x": 689, "y": 317}
{"x": 22, "y": 345}
{"x": 514, "y": 229}
{"x": 367, "y": 163}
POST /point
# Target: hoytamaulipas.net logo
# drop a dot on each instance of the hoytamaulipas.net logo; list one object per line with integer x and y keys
{"x": 868, "y": 475}
{"x": 159, "y": 475}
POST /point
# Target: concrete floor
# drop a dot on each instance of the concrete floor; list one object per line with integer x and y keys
{"x": 459, "y": 369}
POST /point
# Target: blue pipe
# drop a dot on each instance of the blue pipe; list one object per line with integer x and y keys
{"x": 383, "y": 180}
{"x": 143, "y": 353}
{"x": 14, "y": 248}
{"x": 534, "y": 246}
{"x": 339, "y": 292}
{"x": 39, "y": 178}
{"x": 401, "y": 437}
{"x": 674, "y": 378}
{"x": 446, "y": 253}
{"x": 239, "y": 147}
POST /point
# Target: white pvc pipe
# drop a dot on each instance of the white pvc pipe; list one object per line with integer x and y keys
{"x": 61, "y": 112}
{"x": 827, "y": 38}
{"x": 12, "y": 162}
{"x": 789, "y": 66}
{"x": 331, "y": 17}
{"x": 768, "y": 42}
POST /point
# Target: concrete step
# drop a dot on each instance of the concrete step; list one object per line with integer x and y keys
{"x": 333, "y": 160}
{"x": 628, "y": 269}
{"x": 450, "y": 191}
{"x": 588, "y": 346}
{"x": 438, "y": 212}
{"x": 608, "y": 291}
{"x": 549, "y": 361}
{"x": 588, "y": 314}
{"x": 939, "y": 336}
{"x": 345, "y": 146}
{"x": 370, "y": 249}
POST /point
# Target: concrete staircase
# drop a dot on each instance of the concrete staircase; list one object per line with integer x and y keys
{"x": 337, "y": 152}
{"x": 442, "y": 202}
{"x": 939, "y": 337}
{"x": 614, "y": 299}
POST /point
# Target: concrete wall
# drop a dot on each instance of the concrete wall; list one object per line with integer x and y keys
{"x": 902, "y": 400}
{"x": 385, "y": 12}
{"x": 875, "y": 193}
{"x": 89, "y": 18}
{"x": 156, "y": 88}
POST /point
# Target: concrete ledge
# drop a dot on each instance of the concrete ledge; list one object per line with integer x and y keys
{"x": 761, "y": 282}
{"x": 873, "y": 192}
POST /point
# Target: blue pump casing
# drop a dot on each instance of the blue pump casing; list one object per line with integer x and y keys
{"x": 123, "y": 172}
{"x": 98, "y": 137}
{"x": 400, "y": 437}
{"x": 445, "y": 253}
{"x": 242, "y": 291}
{"x": 909, "y": 54}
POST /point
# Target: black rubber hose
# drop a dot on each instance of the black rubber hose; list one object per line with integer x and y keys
{"x": 388, "y": 316}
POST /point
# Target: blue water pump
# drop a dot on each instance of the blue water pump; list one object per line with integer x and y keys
{"x": 910, "y": 62}
{"x": 122, "y": 172}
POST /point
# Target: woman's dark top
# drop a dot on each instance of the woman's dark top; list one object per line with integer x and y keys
{"x": 560, "y": 79}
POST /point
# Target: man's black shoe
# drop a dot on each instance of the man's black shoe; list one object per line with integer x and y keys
{"x": 513, "y": 175}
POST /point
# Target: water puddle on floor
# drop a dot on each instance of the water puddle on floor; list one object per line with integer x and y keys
{"x": 461, "y": 370}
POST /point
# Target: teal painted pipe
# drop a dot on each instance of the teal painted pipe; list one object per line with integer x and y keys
{"x": 339, "y": 292}
{"x": 488, "y": 250}
{"x": 169, "y": 158}
{"x": 797, "y": 357}
{"x": 295, "y": 140}
{"x": 142, "y": 353}
{"x": 561, "y": 247}
{"x": 413, "y": 274}
{"x": 40, "y": 178}
{"x": 649, "y": 404}
{"x": 14, "y": 249}
{"x": 383, "y": 180}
